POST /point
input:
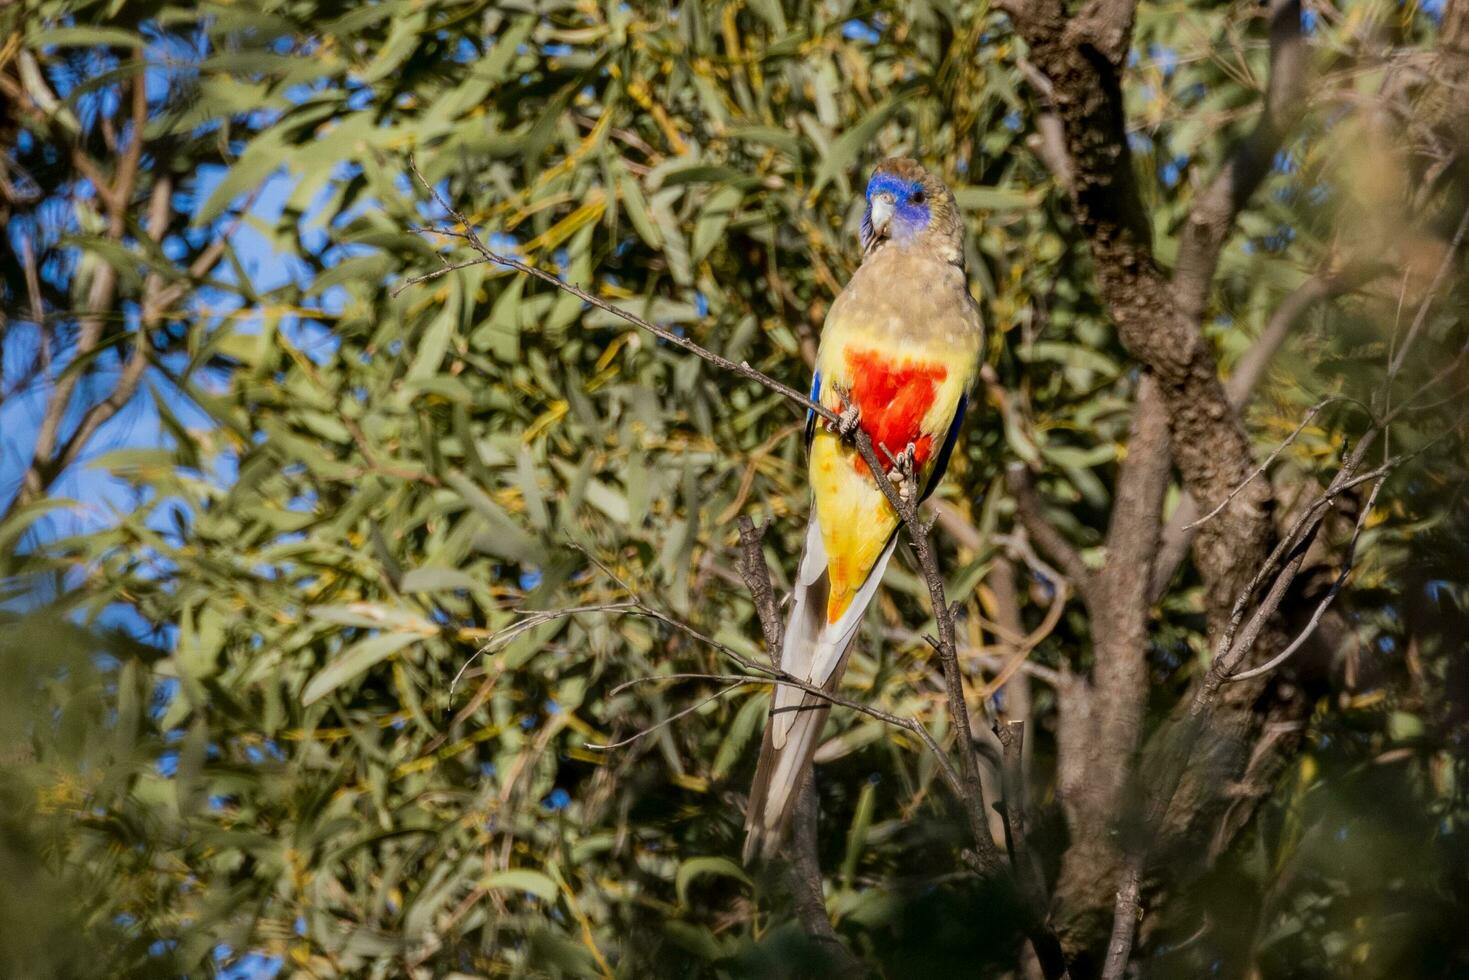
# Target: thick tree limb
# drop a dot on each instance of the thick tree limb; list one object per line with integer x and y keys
{"x": 1240, "y": 388}
{"x": 803, "y": 875}
{"x": 1082, "y": 57}
{"x": 1100, "y": 726}
{"x": 1031, "y": 512}
{"x": 1239, "y": 636}
{"x": 1188, "y": 417}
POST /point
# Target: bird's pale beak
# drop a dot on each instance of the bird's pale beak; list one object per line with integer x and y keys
{"x": 882, "y": 213}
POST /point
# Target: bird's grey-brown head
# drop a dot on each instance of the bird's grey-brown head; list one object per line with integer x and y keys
{"x": 910, "y": 207}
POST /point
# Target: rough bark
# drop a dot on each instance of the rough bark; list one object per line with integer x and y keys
{"x": 803, "y": 875}
{"x": 1184, "y": 414}
{"x": 1157, "y": 319}
{"x": 1101, "y": 718}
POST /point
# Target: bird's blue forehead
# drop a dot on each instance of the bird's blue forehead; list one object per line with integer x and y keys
{"x": 893, "y": 184}
{"x": 909, "y": 211}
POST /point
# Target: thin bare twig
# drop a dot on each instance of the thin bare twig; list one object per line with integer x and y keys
{"x": 1274, "y": 455}
{"x": 488, "y": 255}
{"x": 1025, "y": 646}
{"x": 761, "y": 673}
{"x": 1326, "y": 600}
{"x": 685, "y": 676}
{"x": 666, "y": 721}
{"x": 756, "y": 573}
{"x": 514, "y": 630}
{"x": 992, "y": 662}
{"x": 1028, "y": 508}
{"x": 1421, "y": 317}
{"x": 1028, "y": 875}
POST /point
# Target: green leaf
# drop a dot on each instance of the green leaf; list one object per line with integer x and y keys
{"x": 23, "y": 517}
{"x": 189, "y": 781}
{"x": 499, "y": 334}
{"x": 675, "y": 246}
{"x": 84, "y": 37}
{"x": 595, "y": 492}
{"x": 523, "y": 880}
{"x": 750, "y": 715}
{"x": 260, "y": 160}
{"x": 782, "y": 140}
{"x": 843, "y": 153}
{"x": 993, "y": 199}
{"x": 358, "y": 659}
{"x": 496, "y": 65}
{"x": 857, "y": 834}
{"x": 637, "y": 210}
{"x": 1404, "y": 726}
{"x": 1070, "y": 355}
{"x": 695, "y": 938}
{"x": 369, "y": 615}
{"x": 504, "y": 537}
{"x": 435, "y": 340}
{"x": 528, "y": 480}
{"x": 402, "y": 41}
{"x": 435, "y": 894}
{"x": 852, "y": 739}
{"x": 708, "y": 865}
{"x": 718, "y": 211}
{"x": 437, "y": 580}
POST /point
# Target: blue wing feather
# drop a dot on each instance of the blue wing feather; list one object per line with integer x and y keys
{"x": 942, "y": 462}
{"x": 810, "y": 415}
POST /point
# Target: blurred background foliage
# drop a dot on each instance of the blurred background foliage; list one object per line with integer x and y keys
{"x": 260, "y": 715}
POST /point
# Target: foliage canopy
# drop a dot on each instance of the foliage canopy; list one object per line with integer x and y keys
{"x": 283, "y": 686}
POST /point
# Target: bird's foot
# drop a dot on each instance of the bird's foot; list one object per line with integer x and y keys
{"x": 848, "y": 418}
{"x": 903, "y": 472}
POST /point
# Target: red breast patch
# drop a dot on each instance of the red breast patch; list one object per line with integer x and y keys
{"x": 894, "y": 395}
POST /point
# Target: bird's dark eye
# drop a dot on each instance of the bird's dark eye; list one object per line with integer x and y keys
{"x": 917, "y": 197}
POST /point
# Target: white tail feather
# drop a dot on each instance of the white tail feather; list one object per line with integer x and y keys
{"x": 815, "y": 651}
